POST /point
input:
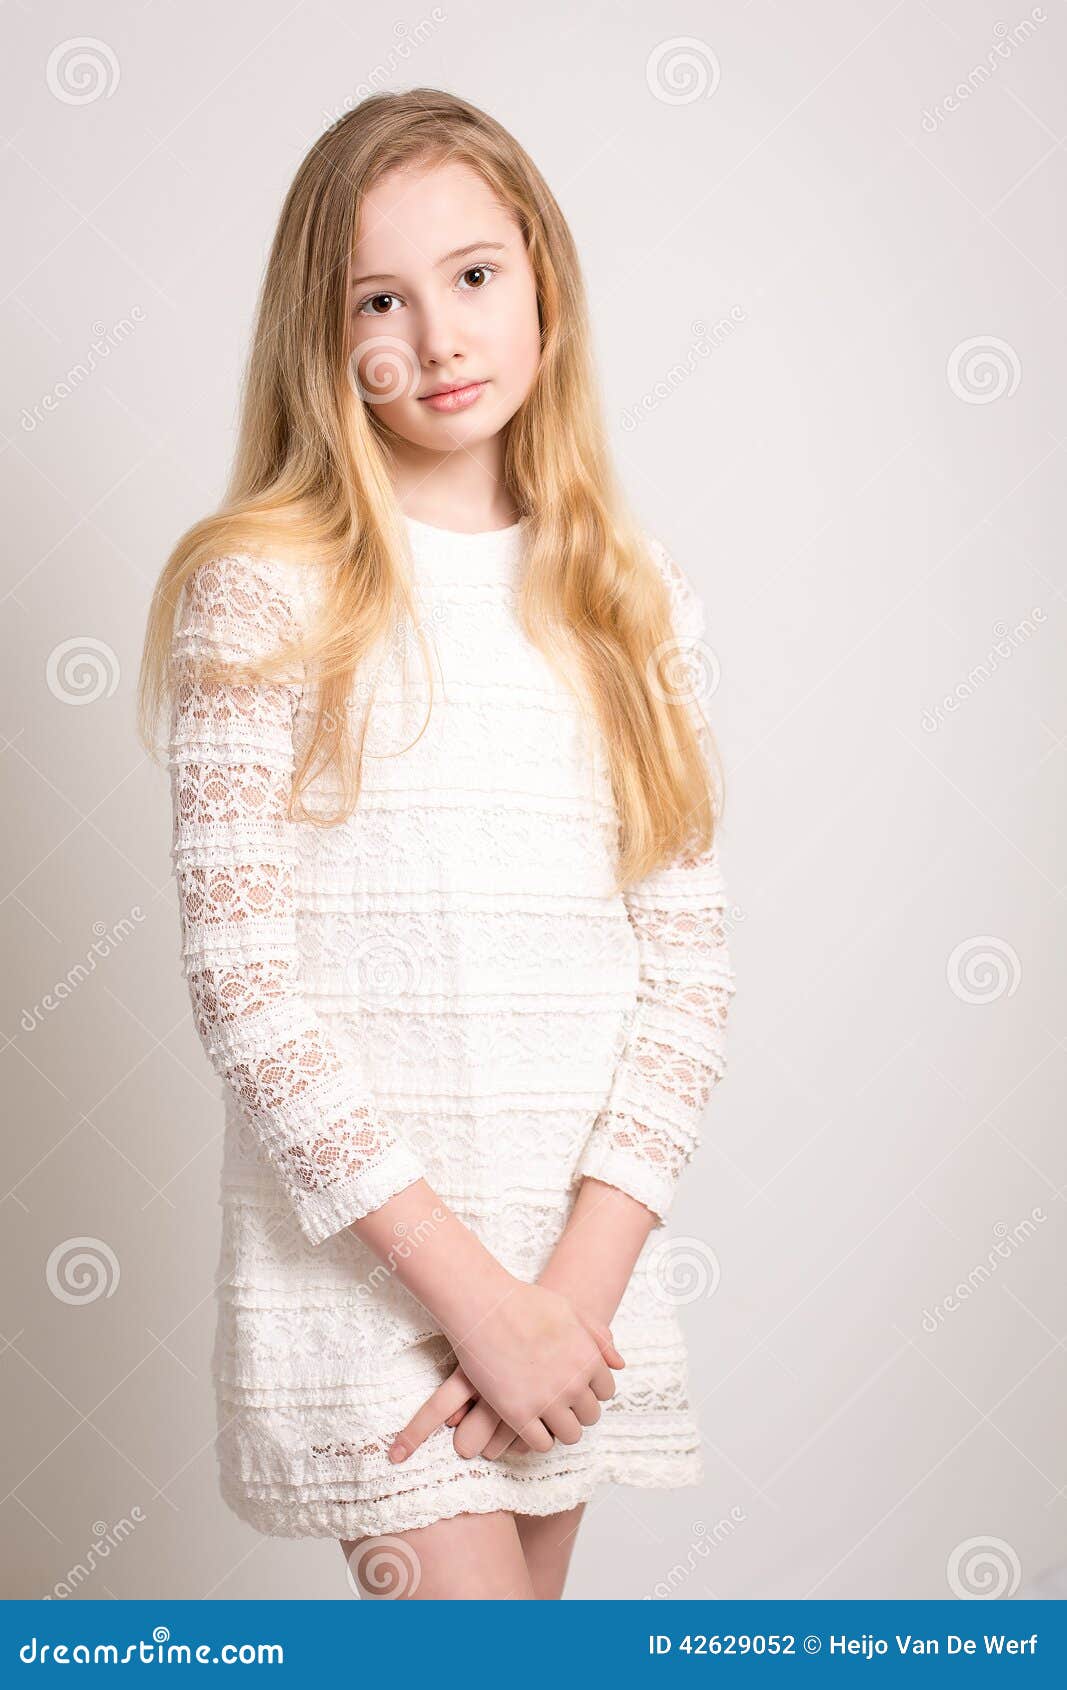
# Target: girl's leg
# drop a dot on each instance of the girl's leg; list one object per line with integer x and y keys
{"x": 471, "y": 1557}
{"x": 547, "y": 1541}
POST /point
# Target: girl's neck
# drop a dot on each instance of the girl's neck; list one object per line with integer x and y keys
{"x": 461, "y": 493}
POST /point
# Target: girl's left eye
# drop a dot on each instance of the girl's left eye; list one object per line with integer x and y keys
{"x": 485, "y": 270}
{"x": 481, "y": 270}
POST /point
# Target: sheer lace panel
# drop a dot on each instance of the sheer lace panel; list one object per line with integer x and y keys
{"x": 231, "y": 762}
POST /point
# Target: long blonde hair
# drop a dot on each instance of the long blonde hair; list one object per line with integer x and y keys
{"x": 311, "y": 482}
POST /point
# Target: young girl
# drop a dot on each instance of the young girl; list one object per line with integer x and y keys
{"x": 452, "y": 919}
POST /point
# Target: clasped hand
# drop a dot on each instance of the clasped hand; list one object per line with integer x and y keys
{"x": 534, "y": 1370}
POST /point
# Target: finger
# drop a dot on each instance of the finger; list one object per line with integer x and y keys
{"x": 515, "y": 1443}
{"x": 475, "y": 1430}
{"x": 608, "y": 1348}
{"x": 585, "y": 1408}
{"x": 601, "y": 1383}
{"x": 562, "y": 1423}
{"x": 454, "y": 1419}
{"x": 537, "y": 1435}
{"x": 502, "y": 1439}
{"x": 456, "y": 1390}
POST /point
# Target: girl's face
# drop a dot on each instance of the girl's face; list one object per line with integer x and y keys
{"x": 441, "y": 295}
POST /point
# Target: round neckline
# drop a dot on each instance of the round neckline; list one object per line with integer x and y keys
{"x": 463, "y": 534}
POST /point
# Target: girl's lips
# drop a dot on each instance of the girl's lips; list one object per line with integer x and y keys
{"x": 456, "y": 400}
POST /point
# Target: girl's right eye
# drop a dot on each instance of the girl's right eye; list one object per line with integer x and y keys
{"x": 370, "y": 301}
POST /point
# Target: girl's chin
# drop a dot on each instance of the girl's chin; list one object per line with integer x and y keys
{"x": 434, "y": 430}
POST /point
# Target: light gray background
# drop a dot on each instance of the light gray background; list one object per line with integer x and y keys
{"x": 867, "y": 502}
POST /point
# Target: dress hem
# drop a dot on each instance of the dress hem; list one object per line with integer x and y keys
{"x": 348, "y": 1520}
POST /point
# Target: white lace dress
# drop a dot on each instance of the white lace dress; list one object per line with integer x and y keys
{"x": 445, "y": 986}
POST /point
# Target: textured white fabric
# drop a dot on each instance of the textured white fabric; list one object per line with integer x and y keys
{"x": 445, "y": 985}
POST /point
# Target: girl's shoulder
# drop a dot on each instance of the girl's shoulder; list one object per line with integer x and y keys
{"x": 248, "y": 599}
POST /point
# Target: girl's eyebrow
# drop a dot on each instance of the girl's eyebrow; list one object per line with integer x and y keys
{"x": 460, "y": 252}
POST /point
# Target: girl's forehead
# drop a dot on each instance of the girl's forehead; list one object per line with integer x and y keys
{"x": 431, "y": 207}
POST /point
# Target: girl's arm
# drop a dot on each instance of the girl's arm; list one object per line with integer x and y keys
{"x": 674, "y": 1055}
{"x": 597, "y": 1249}
{"x": 231, "y": 760}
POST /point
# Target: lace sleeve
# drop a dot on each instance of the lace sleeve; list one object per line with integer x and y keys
{"x": 231, "y": 760}
{"x": 649, "y": 1127}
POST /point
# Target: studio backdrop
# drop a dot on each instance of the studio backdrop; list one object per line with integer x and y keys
{"x": 824, "y": 252}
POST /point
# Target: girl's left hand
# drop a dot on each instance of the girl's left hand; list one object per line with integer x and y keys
{"x": 479, "y": 1428}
